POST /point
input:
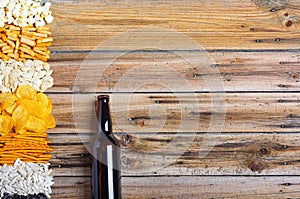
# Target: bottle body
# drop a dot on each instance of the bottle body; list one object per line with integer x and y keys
{"x": 106, "y": 173}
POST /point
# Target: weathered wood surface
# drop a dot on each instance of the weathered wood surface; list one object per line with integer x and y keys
{"x": 205, "y": 187}
{"x": 144, "y": 154}
{"x": 234, "y": 24}
{"x": 152, "y": 112}
{"x": 190, "y": 187}
{"x": 271, "y": 71}
{"x": 234, "y": 153}
{"x": 253, "y": 48}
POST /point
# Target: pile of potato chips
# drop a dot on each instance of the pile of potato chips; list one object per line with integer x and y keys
{"x": 25, "y": 110}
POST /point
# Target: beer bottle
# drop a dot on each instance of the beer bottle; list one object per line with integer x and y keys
{"x": 106, "y": 181}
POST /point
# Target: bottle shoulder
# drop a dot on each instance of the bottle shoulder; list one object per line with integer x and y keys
{"x": 106, "y": 140}
{"x": 114, "y": 140}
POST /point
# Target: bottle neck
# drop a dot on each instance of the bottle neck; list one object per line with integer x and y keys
{"x": 104, "y": 118}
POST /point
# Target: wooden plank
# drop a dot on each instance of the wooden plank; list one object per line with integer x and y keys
{"x": 232, "y": 24}
{"x": 162, "y": 71}
{"x": 71, "y": 187}
{"x": 187, "y": 187}
{"x": 72, "y": 171}
{"x": 171, "y": 154}
{"x": 211, "y": 187}
{"x": 212, "y": 155}
{"x": 65, "y": 156}
{"x": 261, "y": 129}
{"x": 245, "y": 112}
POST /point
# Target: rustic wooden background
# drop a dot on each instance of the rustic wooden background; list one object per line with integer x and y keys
{"x": 255, "y": 46}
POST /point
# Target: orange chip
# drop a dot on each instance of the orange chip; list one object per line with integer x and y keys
{"x": 6, "y": 125}
{"x": 5, "y": 113}
{"x": 33, "y": 107}
{"x": 18, "y": 114}
{"x": 26, "y": 92}
{"x": 25, "y": 111}
{"x": 45, "y": 102}
{"x": 20, "y": 127}
{"x": 11, "y": 108}
{"x": 35, "y": 124}
{"x": 8, "y": 102}
{"x": 50, "y": 121}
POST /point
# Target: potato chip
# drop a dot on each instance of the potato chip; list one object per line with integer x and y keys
{"x": 8, "y": 102}
{"x": 20, "y": 126}
{"x": 42, "y": 98}
{"x": 11, "y": 108}
{"x": 7, "y": 96}
{"x": 18, "y": 114}
{"x": 25, "y": 111}
{"x": 33, "y": 108}
{"x": 3, "y": 96}
{"x": 5, "y": 113}
{"x": 50, "y": 121}
{"x": 26, "y": 92}
{"x": 49, "y": 106}
{"x": 6, "y": 124}
{"x": 35, "y": 124}
{"x": 45, "y": 102}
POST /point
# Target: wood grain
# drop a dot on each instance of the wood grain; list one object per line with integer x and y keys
{"x": 169, "y": 72}
{"x": 67, "y": 187}
{"x": 246, "y": 50}
{"x": 170, "y": 154}
{"x": 245, "y": 112}
{"x": 188, "y": 187}
{"x": 211, "y": 187}
{"x": 215, "y": 25}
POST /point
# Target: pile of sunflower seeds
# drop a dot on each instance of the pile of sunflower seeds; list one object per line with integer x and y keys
{"x": 25, "y": 178}
{"x": 36, "y": 73}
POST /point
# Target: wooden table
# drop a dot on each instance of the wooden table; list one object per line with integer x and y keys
{"x": 159, "y": 97}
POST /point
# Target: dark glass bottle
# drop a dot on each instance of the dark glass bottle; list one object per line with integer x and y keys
{"x": 106, "y": 181}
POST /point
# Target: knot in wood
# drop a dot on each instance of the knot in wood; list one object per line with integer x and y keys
{"x": 264, "y": 151}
